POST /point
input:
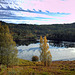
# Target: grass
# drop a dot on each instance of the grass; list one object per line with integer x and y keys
{"x": 26, "y": 67}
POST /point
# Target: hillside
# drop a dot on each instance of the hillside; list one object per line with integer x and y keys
{"x": 36, "y": 68}
{"x": 58, "y": 32}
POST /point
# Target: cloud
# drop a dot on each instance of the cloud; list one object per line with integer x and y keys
{"x": 28, "y": 16}
{"x": 34, "y": 10}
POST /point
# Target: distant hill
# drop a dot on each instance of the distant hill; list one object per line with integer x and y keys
{"x": 65, "y": 32}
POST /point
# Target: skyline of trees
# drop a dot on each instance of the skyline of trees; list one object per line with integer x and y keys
{"x": 58, "y": 32}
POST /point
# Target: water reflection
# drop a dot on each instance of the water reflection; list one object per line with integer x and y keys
{"x": 53, "y": 43}
{"x": 25, "y": 42}
{"x": 60, "y": 50}
{"x": 58, "y": 53}
{"x": 62, "y": 44}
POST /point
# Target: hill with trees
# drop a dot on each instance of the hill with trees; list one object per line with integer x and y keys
{"x": 60, "y": 32}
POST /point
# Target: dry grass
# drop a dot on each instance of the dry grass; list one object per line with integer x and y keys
{"x": 56, "y": 68}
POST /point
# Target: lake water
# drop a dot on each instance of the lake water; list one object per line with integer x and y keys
{"x": 59, "y": 50}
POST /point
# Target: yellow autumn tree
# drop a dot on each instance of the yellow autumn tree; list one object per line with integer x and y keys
{"x": 45, "y": 55}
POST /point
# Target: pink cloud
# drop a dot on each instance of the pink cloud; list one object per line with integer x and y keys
{"x": 66, "y": 6}
{"x": 54, "y": 5}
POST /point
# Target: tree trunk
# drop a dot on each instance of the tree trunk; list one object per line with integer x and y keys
{"x": 45, "y": 63}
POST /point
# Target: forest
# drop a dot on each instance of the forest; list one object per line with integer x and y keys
{"x": 60, "y": 32}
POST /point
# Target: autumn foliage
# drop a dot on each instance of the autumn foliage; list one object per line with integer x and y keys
{"x": 45, "y": 55}
{"x": 8, "y": 50}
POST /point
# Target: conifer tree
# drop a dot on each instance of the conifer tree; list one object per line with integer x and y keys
{"x": 8, "y": 50}
{"x": 45, "y": 55}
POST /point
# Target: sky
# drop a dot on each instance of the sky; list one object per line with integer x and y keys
{"x": 37, "y": 11}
